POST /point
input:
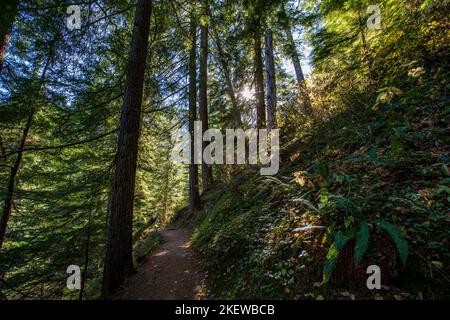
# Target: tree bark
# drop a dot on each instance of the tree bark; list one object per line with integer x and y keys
{"x": 271, "y": 82}
{"x": 118, "y": 260}
{"x": 297, "y": 66}
{"x": 7, "y": 16}
{"x": 259, "y": 83}
{"x": 194, "y": 196}
{"x": 294, "y": 56}
{"x": 207, "y": 178}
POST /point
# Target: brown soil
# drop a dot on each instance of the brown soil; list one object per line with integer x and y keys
{"x": 170, "y": 272}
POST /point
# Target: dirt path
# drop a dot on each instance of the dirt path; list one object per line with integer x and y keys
{"x": 170, "y": 272}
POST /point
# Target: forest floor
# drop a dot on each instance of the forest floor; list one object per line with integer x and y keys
{"x": 172, "y": 271}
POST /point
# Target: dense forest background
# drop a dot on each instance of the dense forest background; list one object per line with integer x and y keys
{"x": 87, "y": 123}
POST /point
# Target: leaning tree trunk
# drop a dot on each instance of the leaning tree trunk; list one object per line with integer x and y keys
{"x": 259, "y": 83}
{"x": 234, "y": 102}
{"x": 207, "y": 178}
{"x": 228, "y": 82}
{"x": 271, "y": 82}
{"x": 7, "y": 16}
{"x": 118, "y": 260}
{"x": 9, "y": 197}
{"x": 367, "y": 54}
{"x": 306, "y": 101}
{"x": 8, "y": 203}
{"x": 194, "y": 196}
{"x": 299, "y": 73}
{"x": 294, "y": 56}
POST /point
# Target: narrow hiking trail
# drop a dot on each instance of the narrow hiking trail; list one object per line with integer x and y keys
{"x": 170, "y": 272}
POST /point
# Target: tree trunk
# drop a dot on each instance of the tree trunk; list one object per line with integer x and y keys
{"x": 366, "y": 51}
{"x": 294, "y": 56}
{"x": 7, "y": 206}
{"x": 118, "y": 260}
{"x": 194, "y": 196}
{"x": 2, "y": 148}
{"x": 259, "y": 83}
{"x": 166, "y": 188}
{"x": 271, "y": 82}
{"x": 86, "y": 256}
{"x": 7, "y": 16}
{"x": 229, "y": 83}
{"x": 9, "y": 197}
{"x": 203, "y": 99}
{"x": 234, "y": 103}
{"x": 297, "y": 66}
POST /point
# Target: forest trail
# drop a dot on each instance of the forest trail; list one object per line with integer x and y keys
{"x": 170, "y": 272}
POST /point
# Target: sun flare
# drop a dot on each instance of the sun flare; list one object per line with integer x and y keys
{"x": 246, "y": 93}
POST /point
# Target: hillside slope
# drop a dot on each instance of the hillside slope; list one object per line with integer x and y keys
{"x": 368, "y": 187}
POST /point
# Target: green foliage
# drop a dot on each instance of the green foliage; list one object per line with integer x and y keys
{"x": 340, "y": 240}
{"x": 372, "y": 167}
{"x": 61, "y": 198}
{"x": 397, "y": 237}
{"x": 146, "y": 245}
{"x": 362, "y": 241}
{"x": 374, "y": 150}
{"x": 361, "y": 244}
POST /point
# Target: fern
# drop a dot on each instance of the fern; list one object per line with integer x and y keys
{"x": 340, "y": 240}
{"x": 361, "y": 245}
{"x": 362, "y": 241}
{"x": 397, "y": 237}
